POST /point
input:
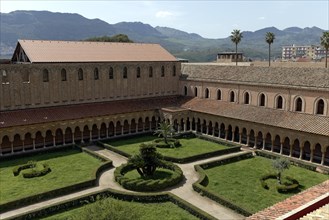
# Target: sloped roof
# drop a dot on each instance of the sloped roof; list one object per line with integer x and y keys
{"x": 316, "y": 78}
{"x": 42, "y": 51}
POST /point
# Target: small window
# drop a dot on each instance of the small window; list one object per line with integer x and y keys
{"x": 151, "y": 72}
{"x": 320, "y": 107}
{"x": 279, "y": 102}
{"x": 262, "y": 100}
{"x": 232, "y": 97}
{"x": 96, "y": 75}
{"x": 4, "y": 77}
{"x": 125, "y": 73}
{"x": 299, "y": 105}
{"x": 206, "y": 93}
{"x": 138, "y": 72}
{"x": 80, "y": 74}
{"x": 63, "y": 74}
{"x": 196, "y": 92}
{"x": 162, "y": 71}
{"x": 174, "y": 71}
{"x": 219, "y": 94}
{"x": 111, "y": 73}
{"x": 246, "y": 98}
{"x": 45, "y": 75}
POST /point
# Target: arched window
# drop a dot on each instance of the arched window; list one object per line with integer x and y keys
{"x": 80, "y": 74}
{"x": 138, "y": 72}
{"x": 174, "y": 70}
{"x": 298, "y": 105}
{"x": 262, "y": 100}
{"x": 111, "y": 73}
{"x": 63, "y": 74}
{"x": 162, "y": 71}
{"x": 196, "y": 92}
{"x": 96, "y": 75}
{"x": 125, "y": 72}
{"x": 246, "y": 98}
{"x": 279, "y": 102}
{"x": 206, "y": 93}
{"x": 151, "y": 72}
{"x": 219, "y": 94}
{"x": 45, "y": 75}
{"x": 232, "y": 96}
{"x": 320, "y": 107}
{"x": 185, "y": 90}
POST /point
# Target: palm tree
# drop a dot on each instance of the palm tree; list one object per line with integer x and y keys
{"x": 165, "y": 130}
{"x": 325, "y": 43}
{"x": 269, "y": 37}
{"x": 236, "y": 37}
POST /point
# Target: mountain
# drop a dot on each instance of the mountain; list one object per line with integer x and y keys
{"x": 66, "y": 26}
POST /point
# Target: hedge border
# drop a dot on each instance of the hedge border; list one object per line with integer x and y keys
{"x": 294, "y": 161}
{"x": 60, "y": 191}
{"x": 200, "y": 185}
{"x": 141, "y": 185}
{"x": 125, "y": 196}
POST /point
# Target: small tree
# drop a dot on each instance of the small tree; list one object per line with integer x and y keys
{"x": 165, "y": 130}
{"x": 280, "y": 165}
{"x": 147, "y": 160}
{"x": 325, "y": 43}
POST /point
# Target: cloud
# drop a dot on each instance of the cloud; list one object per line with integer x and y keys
{"x": 164, "y": 14}
{"x": 261, "y": 18}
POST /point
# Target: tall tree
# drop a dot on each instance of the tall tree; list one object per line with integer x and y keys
{"x": 269, "y": 37}
{"x": 325, "y": 43}
{"x": 280, "y": 165}
{"x": 236, "y": 37}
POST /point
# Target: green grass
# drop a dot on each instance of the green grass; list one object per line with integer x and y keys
{"x": 239, "y": 182}
{"x": 190, "y": 146}
{"x": 122, "y": 210}
{"x": 68, "y": 167}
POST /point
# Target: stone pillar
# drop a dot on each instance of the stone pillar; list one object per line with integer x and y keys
{"x": 255, "y": 144}
{"x": 63, "y": 139}
{"x": 311, "y": 156}
{"x": 213, "y": 131}
{"x": 44, "y": 142}
{"x": 54, "y": 141}
{"x": 301, "y": 153}
{"x": 107, "y": 132}
{"x": 73, "y": 141}
{"x": 322, "y": 158}
{"x": 23, "y": 145}
{"x": 191, "y": 126}
{"x": 115, "y": 131}
{"x": 185, "y": 125}
{"x": 290, "y": 150}
{"x": 90, "y": 135}
{"x": 122, "y": 129}
{"x": 240, "y": 138}
{"x": 281, "y": 147}
{"x": 150, "y": 126}
{"x": 129, "y": 127}
{"x": 272, "y": 147}
{"x": 207, "y": 129}
{"x": 33, "y": 143}
{"x": 263, "y": 144}
{"x": 226, "y": 134}
{"x": 143, "y": 126}
{"x": 99, "y": 134}
{"x": 136, "y": 128}
{"x": 12, "y": 147}
{"x": 248, "y": 140}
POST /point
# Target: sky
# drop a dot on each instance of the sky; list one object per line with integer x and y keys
{"x": 210, "y": 19}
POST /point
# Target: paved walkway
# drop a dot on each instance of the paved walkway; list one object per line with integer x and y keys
{"x": 106, "y": 180}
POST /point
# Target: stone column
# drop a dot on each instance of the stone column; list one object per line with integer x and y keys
{"x": 255, "y": 144}
{"x": 122, "y": 129}
{"x": 213, "y": 131}
{"x": 115, "y": 131}
{"x": 54, "y": 141}
{"x": 301, "y": 153}
{"x": 322, "y": 158}
{"x": 63, "y": 139}
{"x": 191, "y": 126}
{"x": 226, "y": 134}
{"x": 12, "y": 147}
{"x": 44, "y": 142}
{"x": 143, "y": 126}
{"x": 33, "y": 143}
{"x": 248, "y": 140}
{"x": 129, "y": 127}
{"x": 272, "y": 147}
{"x": 90, "y": 136}
{"x": 185, "y": 125}
{"x": 73, "y": 141}
{"x": 107, "y": 132}
{"x": 290, "y": 150}
{"x": 99, "y": 134}
{"x": 240, "y": 138}
{"x": 207, "y": 129}
{"x": 311, "y": 156}
{"x": 263, "y": 148}
{"x": 136, "y": 127}
{"x": 281, "y": 147}
{"x": 23, "y": 145}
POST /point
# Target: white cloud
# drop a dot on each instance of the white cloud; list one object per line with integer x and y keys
{"x": 164, "y": 14}
{"x": 261, "y": 18}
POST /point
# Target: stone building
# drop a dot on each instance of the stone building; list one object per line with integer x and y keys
{"x": 58, "y": 93}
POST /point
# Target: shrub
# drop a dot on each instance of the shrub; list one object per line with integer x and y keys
{"x": 36, "y": 173}
{"x": 265, "y": 177}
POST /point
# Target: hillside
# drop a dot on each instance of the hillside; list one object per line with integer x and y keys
{"x": 65, "y": 26}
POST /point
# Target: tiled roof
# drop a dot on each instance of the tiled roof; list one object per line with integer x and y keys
{"x": 283, "y": 119}
{"x": 42, "y": 51}
{"x": 316, "y": 78}
{"x": 74, "y": 112}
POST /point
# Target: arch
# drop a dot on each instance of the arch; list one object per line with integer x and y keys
{"x": 125, "y": 127}
{"x": 174, "y": 70}
{"x": 306, "y": 151}
{"x": 298, "y": 104}
{"x": 219, "y": 94}
{"x": 118, "y": 128}
{"x": 102, "y": 131}
{"x": 49, "y": 139}
{"x": 319, "y": 107}
{"x": 17, "y": 143}
{"x": 147, "y": 126}
{"x": 296, "y": 148}
{"x": 279, "y": 102}
{"x": 111, "y": 129}
{"x": 77, "y": 135}
{"x": 236, "y": 135}
{"x": 204, "y": 127}
{"x": 317, "y": 153}
{"x": 96, "y": 74}
{"x": 222, "y": 130}
{"x": 5, "y": 145}
{"x": 232, "y": 96}
{"x": 140, "y": 125}
{"x": 277, "y": 144}
{"x": 80, "y": 74}
{"x": 229, "y": 133}
{"x": 45, "y": 75}
{"x": 150, "y": 72}
{"x": 252, "y": 138}
{"x": 286, "y": 146}
{"x": 125, "y": 72}
{"x": 259, "y": 140}
{"x": 162, "y": 71}
{"x": 262, "y": 99}
{"x": 59, "y": 137}
{"x": 63, "y": 74}
{"x": 268, "y": 141}
{"x": 94, "y": 132}
{"x": 244, "y": 135}
{"x": 86, "y": 134}
{"x": 111, "y": 73}
{"x": 185, "y": 90}
{"x": 196, "y": 91}
{"x": 153, "y": 123}
{"x": 246, "y": 98}
{"x": 133, "y": 126}
{"x": 39, "y": 140}
{"x": 68, "y": 136}
{"x": 28, "y": 141}
{"x": 206, "y": 93}
{"x": 138, "y": 72}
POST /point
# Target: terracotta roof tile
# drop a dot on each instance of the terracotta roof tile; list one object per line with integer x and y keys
{"x": 42, "y": 51}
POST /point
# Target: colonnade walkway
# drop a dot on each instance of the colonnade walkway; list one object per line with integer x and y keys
{"x": 106, "y": 180}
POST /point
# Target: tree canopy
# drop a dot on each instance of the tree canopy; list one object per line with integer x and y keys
{"x": 116, "y": 38}
{"x": 269, "y": 38}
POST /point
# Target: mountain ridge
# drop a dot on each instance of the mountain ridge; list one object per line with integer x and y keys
{"x": 45, "y": 25}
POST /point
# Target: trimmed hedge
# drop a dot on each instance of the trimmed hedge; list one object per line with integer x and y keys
{"x": 149, "y": 185}
{"x": 288, "y": 188}
{"x": 36, "y": 173}
{"x": 265, "y": 177}
{"x": 136, "y": 197}
{"x": 200, "y": 185}
{"x": 56, "y": 192}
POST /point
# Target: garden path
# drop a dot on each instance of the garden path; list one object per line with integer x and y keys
{"x": 106, "y": 180}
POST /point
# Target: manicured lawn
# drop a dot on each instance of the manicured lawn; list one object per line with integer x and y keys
{"x": 239, "y": 182}
{"x": 190, "y": 146}
{"x": 68, "y": 167}
{"x": 116, "y": 209}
